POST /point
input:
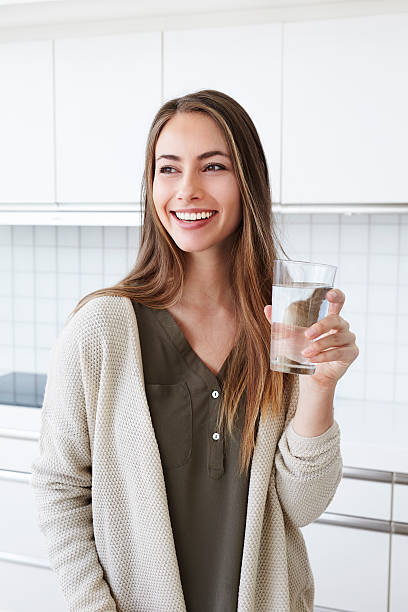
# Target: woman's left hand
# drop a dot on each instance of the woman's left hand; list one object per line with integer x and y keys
{"x": 336, "y": 351}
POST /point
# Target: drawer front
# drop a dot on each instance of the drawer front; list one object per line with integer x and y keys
{"x": 400, "y": 505}
{"x": 19, "y": 531}
{"x": 25, "y": 588}
{"x": 399, "y": 566}
{"x": 350, "y": 567}
{"x": 362, "y": 498}
{"x": 17, "y": 454}
{"x": 20, "y": 417}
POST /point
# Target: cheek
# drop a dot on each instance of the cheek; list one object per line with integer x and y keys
{"x": 159, "y": 199}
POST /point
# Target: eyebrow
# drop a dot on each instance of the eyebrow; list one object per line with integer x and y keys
{"x": 202, "y": 156}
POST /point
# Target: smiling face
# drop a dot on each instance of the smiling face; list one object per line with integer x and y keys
{"x": 188, "y": 180}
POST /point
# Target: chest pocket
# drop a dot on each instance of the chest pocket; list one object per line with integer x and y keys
{"x": 172, "y": 417}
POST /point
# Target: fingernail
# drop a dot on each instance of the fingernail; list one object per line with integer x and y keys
{"x": 333, "y": 293}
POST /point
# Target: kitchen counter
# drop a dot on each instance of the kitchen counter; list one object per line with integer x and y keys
{"x": 374, "y": 435}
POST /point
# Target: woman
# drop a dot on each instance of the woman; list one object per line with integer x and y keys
{"x": 150, "y": 489}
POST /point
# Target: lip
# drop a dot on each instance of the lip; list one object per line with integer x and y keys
{"x": 192, "y": 224}
{"x": 193, "y": 210}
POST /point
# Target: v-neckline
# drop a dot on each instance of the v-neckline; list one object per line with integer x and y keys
{"x": 178, "y": 338}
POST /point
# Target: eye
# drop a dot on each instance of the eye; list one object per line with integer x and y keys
{"x": 219, "y": 165}
{"x": 164, "y": 168}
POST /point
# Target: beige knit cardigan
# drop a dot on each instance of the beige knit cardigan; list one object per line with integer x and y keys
{"x": 100, "y": 492}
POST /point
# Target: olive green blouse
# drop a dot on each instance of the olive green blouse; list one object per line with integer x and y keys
{"x": 207, "y": 497}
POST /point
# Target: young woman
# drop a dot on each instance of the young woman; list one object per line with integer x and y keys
{"x": 175, "y": 468}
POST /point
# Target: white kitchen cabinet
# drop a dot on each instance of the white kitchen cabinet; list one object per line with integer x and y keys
{"x": 362, "y": 498}
{"x": 345, "y": 100}
{"x": 19, "y": 435}
{"x": 350, "y": 567}
{"x": 19, "y": 530}
{"x": 399, "y": 547}
{"x": 107, "y": 93}
{"x": 400, "y": 505}
{"x": 243, "y": 62}
{"x": 399, "y": 573}
{"x": 24, "y": 588}
{"x": 26, "y": 122}
{"x": 17, "y": 453}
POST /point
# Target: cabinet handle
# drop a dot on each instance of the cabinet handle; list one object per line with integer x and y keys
{"x": 356, "y": 522}
{"x": 19, "y": 434}
{"x": 366, "y": 474}
{"x": 400, "y": 478}
{"x": 24, "y": 560}
{"x": 375, "y": 475}
{"x": 399, "y": 528}
{"x": 322, "y": 609}
{"x": 367, "y": 524}
{"x": 15, "y": 476}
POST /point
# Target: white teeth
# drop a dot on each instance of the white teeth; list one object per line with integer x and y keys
{"x": 194, "y": 216}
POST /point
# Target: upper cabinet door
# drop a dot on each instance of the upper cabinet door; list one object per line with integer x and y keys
{"x": 26, "y": 122}
{"x": 242, "y": 61}
{"x": 345, "y": 100}
{"x": 107, "y": 93}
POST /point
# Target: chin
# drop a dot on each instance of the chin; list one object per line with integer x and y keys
{"x": 196, "y": 248}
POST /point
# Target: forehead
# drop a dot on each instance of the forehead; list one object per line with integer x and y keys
{"x": 190, "y": 133}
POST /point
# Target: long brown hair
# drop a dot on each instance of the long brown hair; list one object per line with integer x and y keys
{"x": 157, "y": 278}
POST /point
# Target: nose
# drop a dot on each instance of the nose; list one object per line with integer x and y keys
{"x": 189, "y": 185}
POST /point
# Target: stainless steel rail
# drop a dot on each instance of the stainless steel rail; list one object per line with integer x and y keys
{"x": 376, "y": 475}
{"x": 356, "y": 522}
{"x": 367, "y": 474}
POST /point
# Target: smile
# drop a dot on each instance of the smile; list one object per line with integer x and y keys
{"x": 194, "y": 216}
{"x": 193, "y": 220}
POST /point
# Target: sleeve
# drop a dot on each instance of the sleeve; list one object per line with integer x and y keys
{"x": 307, "y": 470}
{"x": 61, "y": 482}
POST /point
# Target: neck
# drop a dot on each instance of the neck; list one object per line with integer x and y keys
{"x": 207, "y": 286}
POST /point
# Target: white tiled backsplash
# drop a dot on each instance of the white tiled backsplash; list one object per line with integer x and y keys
{"x": 45, "y": 270}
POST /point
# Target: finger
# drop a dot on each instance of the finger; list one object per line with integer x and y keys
{"x": 340, "y": 338}
{"x": 332, "y": 321}
{"x": 268, "y": 312}
{"x": 345, "y": 354}
{"x": 336, "y": 302}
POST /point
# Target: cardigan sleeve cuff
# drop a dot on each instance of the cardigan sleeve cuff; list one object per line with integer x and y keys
{"x": 302, "y": 446}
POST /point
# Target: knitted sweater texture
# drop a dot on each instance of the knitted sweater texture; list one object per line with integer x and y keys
{"x": 100, "y": 492}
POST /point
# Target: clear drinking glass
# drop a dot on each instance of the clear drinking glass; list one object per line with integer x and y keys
{"x": 298, "y": 300}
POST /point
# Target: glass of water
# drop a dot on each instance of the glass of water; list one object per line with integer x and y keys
{"x": 298, "y": 300}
